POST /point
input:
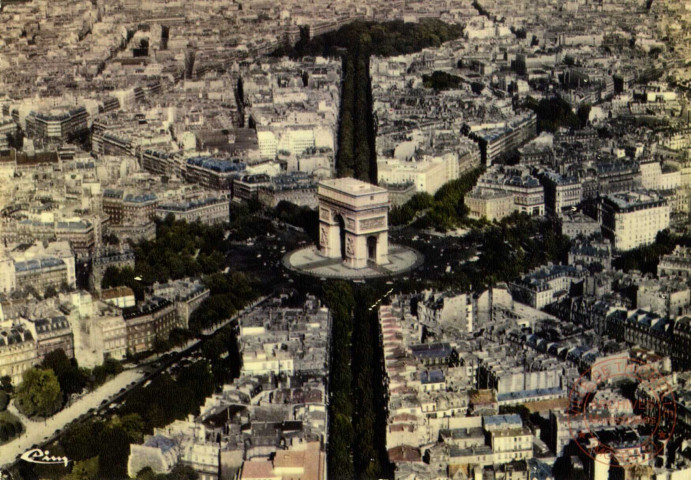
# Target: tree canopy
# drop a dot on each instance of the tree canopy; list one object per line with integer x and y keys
{"x": 441, "y": 81}
{"x": 181, "y": 249}
{"x": 384, "y": 39}
{"x": 39, "y": 393}
{"x": 553, "y": 113}
{"x": 10, "y": 426}
{"x": 71, "y": 378}
{"x": 646, "y": 258}
{"x": 444, "y": 211}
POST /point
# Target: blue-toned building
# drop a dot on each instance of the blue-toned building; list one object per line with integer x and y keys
{"x": 214, "y": 173}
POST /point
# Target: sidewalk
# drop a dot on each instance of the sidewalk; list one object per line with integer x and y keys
{"x": 36, "y": 431}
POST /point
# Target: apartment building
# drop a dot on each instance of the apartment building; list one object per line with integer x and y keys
{"x": 57, "y": 126}
{"x": 576, "y": 223}
{"x": 428, "y": 175}
{"x": 129, "y": 208}
{"x": 505, "y": 140}
{"x": 561, "y": 193}
{"x": 633, "y": 219}
{"x": 212, "y": 172}
{"x": 490, "y": 204}
{"x": 151, "y": 321}
{"x": 51, "y": 334}
{"x": 546, "y": 284}
{"x": 38, "y": 266}
{"x": 18, "y": 351}
{"x": 186, "y": 294}
{"x": 210, "y": 211}
{"x": 528, "y": 194}
{"x": 676, "y": 263}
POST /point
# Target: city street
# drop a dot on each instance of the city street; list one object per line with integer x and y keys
{"x": 36, "y": 432}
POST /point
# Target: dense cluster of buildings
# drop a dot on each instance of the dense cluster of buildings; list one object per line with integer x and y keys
{"x": 91, "y": 327}
{"x": 270, "y": 422}
{"x": 510, "y": 59}
{"x": 150, "y": 110}
{"x": 460, "y": 365}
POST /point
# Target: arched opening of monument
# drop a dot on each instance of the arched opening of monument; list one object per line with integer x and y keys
{"x": 353, "y": 235}
{"x": 372, "y": 249}
{"x": 342, "y": 235}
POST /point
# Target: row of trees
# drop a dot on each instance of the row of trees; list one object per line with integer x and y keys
{"x": 356, "y": 155}
{"x": 100, "y": 446}
{"x": 358, "y": 396}
{"x": 370, "y": 406}
{"x": 228, "y": 293}
{"x": 355, "y": 43}
{"x": 181, "y": 249}
{"x": 504, "y": 250}
{"x": 444, "y": 211}
{"x": 167, "y": 398}
{"x": 10, "y": 426}
{"x": 303, "y": 217}
{"x": 39, "y": 393}
{"x": 382, "y": 39}
{"x": 179, "y": 472}
{"x": 339, "y": 298}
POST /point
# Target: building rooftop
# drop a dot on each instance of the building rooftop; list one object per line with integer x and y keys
{"x": 639, "y": 198}
{"x": 160, "y": 442}
{"x": 352, "y": 186}
{"x": 216, "y": 164}
{"x": 116, "y": 292}
{"x": 431, "y": 350}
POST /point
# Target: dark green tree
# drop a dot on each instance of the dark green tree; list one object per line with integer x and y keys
{"x": 39, "y": 393}
{"x": 50, "y": 292}
{"x": 114, "y": 449}
{"x": 440, "y": 81}
{"x": 6, "y": 383}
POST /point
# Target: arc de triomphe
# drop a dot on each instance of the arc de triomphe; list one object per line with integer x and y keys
{"x": 353, "y": 222}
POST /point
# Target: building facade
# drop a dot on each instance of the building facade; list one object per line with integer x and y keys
{"x": 148, "y": 323}
{"x": 209, "y": 211}
{"x": 633, "y": 219}
{"x": 18, "y": 352}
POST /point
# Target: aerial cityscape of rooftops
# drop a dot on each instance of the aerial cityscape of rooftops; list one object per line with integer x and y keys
{"x": 345, "y": 239}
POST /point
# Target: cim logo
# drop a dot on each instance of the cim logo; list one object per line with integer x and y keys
{"x": 36, "y": 455}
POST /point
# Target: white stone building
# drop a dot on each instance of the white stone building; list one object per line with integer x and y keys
{"x": 633, "y": 219}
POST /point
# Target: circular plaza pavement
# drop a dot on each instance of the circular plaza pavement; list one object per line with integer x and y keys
{"x": 309, "y": 261}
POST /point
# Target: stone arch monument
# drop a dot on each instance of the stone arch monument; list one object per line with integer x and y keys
{"x": 353, "y": 235}
{"x": 353, "y": 222}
